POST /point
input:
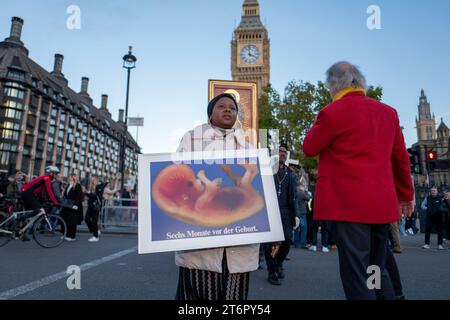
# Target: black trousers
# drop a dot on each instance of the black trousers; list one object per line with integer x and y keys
{"x": 276, "y": 263}
{"x": 447, "y": 225}
{"x": 325, "y": 233}
{"x": 433, "y": 220}
{"x": 360, "y": 246}
{"x": 309, "y": 228}
{"x": 91, "y": 219}
{"x": 330, "y": 226}
{"x": 30, "y": 202}
{"x": 394, "y": 274}
{"x": 71, "y": 231}
{"x": 391, "y": 240}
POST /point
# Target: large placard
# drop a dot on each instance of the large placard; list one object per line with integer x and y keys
{"x": 205, "y": 200}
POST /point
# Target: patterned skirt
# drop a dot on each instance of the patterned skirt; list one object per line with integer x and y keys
{"x": 196, "y": 284}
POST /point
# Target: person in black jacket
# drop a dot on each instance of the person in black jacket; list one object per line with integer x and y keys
{"x": 95, "y": 199}
{"x": 432, "y": 205}
{"x": 445, "y": 209}
{"x": 285, "y": 185}
{"x": 127, "y": 195}
{"x": 72, "y": 211}
{"x": 3, "y": 183}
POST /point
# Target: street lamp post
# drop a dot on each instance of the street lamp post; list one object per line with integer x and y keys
{"x": 129, "y": 63}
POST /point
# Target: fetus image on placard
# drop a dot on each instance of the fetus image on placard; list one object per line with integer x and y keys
{"x": 203, "y": 201}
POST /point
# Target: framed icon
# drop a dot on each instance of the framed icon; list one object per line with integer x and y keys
{"x": 245, "y": 94}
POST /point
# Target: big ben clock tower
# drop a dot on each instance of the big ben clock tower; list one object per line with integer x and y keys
{"x": 250, "y": 48}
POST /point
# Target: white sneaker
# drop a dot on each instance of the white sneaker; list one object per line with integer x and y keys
{"x": 441, "y": 247}
{"x": 325, "y": 249}
{"x": 426, "y": 246}
{"x": 69, "y": 239}
{"x": 93, "y": 239}
{"x": 313, "y": 248}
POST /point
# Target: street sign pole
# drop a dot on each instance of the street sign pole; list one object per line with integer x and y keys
{"x": 136, "y": 122}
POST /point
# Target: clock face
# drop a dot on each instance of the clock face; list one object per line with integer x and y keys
{"x": 250, "y": 54}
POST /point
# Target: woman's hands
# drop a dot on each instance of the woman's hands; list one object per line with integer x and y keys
{"x": 275, "y": 249}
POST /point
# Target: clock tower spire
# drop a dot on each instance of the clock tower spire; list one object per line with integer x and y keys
{"x": 250, "y": 48}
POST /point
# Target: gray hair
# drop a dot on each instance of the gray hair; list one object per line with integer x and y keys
{"x": 342, "y": 75}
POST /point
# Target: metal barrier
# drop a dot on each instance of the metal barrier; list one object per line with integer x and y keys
{"x": 116, "y": 217}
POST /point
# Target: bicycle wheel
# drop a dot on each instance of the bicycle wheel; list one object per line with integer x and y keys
{"x": 5, "y": 235}
{"x": 49, "y": 231}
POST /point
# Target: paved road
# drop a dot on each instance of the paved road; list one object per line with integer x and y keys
{"x": 112, "y": 269}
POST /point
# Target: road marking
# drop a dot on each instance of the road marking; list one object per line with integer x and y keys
{"x": 9, "y": 294}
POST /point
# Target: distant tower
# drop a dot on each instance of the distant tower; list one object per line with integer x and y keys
{"x": 426, "y": 124}
{"x": 250, "y": 48}
{"x": 443, "y": 135}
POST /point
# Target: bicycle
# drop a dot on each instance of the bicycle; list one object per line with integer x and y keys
{"x": 49, "y": 230}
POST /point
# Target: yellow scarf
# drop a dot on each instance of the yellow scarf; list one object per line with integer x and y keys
{"x": 346, "y": 91}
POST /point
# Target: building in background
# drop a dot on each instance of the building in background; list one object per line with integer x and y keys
{"x": 431, "y": 140}
{"x": 250, "y": 48}
{"x": 44, "y": 122}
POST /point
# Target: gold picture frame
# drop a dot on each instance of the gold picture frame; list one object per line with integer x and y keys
{"x": 246, "y": 96}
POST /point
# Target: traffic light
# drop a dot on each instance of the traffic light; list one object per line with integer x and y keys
{"x": 431, "y": 157}
{"x": 414, "y": 160}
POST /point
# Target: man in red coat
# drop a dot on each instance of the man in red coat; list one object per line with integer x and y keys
{"x": 364, "y": 180}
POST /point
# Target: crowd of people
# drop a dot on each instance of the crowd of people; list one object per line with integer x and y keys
{"x": 434, "y": 216}
{"x": 67, "y": 197}
{"x": 437, "y": 209}
{"x": 362, "y": 201}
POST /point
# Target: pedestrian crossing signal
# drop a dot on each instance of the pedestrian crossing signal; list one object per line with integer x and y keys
{"x": 431, "y": 155}
{"x": 432, "y": 160}
{"x": 414, "y": 160}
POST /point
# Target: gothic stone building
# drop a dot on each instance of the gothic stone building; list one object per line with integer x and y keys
{"x": 44, "y": 122}
{"x": 431, "y": 139}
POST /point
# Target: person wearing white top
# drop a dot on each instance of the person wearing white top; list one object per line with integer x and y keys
{"x": 218, "y": 273}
